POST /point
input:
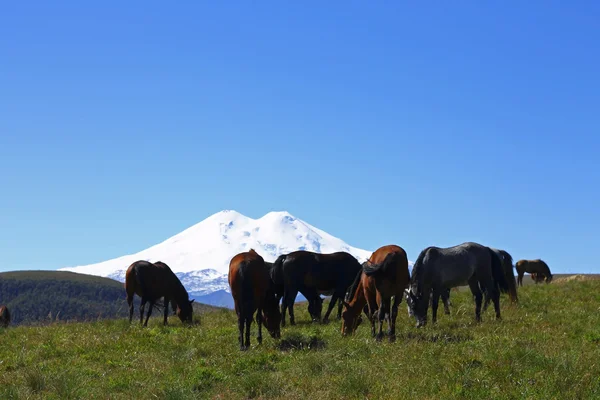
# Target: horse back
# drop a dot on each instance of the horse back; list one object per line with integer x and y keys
{"x": 249, "y": 279}
{"x": 149, "y": 280}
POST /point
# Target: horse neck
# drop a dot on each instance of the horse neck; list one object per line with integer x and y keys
{"x": 179, "y": 294}
{"x": 358, "y": 301}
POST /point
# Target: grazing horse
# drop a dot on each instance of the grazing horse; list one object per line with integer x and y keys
{"x": 530, "y": 266}
{"x": 151, "y": 282}
{"x": 314, "y": 274}
{"x": 442, "y": 268}
{"x": 4, "y": 316}
{"x": 383, "y": 276}
{"x": 253, "y": 291}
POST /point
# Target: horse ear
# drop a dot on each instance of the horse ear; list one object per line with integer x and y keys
{"x": 192, "y": 301}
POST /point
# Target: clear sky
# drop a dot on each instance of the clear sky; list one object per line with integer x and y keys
{"x": 123, "y": 123}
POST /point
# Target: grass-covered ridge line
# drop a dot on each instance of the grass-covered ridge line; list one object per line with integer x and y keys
{"x": 547, "y": 347}
{"x": 35, "y": 297}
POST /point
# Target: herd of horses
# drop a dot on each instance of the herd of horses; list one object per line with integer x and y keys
{"x": 374, "y": 288}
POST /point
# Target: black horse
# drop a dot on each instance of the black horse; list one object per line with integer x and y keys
{"x": 437, "y": 269}
{"x": 313, "y": 274}
{"x": 315, "y": 304}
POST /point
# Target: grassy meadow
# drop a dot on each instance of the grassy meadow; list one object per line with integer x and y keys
{"x": 547, "y": 347}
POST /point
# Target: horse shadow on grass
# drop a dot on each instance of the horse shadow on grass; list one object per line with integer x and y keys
{"x": 301, "y": 342}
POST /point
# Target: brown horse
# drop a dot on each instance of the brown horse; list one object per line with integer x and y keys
{"x": 253, "y": 291}
{"x": 532, "y": 266}
{"x": 313, "y": 274}
{"x": 151, "y": 282}
{"x": 383, "y": 276}
{"x": 4, "y": 316}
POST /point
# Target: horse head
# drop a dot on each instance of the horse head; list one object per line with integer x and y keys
{"x": 272, "y": 319}
{"x": 185, "y": 311}
{"x": 416, "y": 308}
{"x": 350, "y": 321}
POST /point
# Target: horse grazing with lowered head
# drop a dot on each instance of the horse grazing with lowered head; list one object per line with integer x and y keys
{"x": 151, "y": 282}
{"x": 469, "y": 263}
{"x": 314, "y": 274}
{"x": 383, "y": 276}
{"x": 4, "y": 316}
{"x": 253, "y": 291}
{"x": 533, "y": 266}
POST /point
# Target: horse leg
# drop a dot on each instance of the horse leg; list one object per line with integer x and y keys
{"x": 149, "y": 312}
{"x": 241, "y": 321}
{"x": 446, "y": 301}
{"x": 130, "y": 303}
{"x": 334, "y": 298}
{"x": 142, "y": 308}
{"x": 381, "y": 317}
{"x": 520, "y": 278}
{"x": 435, "y": 301}
{"x": 339, "y": 314}
{"x": 288, "y": 303}
{"x": 474, "y": 285}
{"x": 248, "y": 324}
{"x": 166, "y": 313}
{"x": 395, "y": 305}
{"x": 259, "y": 323}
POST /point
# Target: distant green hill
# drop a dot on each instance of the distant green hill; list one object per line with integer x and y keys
{"x": 44, "y": 296}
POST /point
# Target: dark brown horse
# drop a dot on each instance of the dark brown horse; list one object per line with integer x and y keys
{"x": 314, "y": 274}
{"x": 152, "y": 282}
{"x": 253, "y": 291}
{"x": 383, "y": 276}
{"x": 533, "y": 266}
{"x": 4, "y": 316}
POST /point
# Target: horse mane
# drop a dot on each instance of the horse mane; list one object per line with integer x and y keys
{"x": 354, "y": 286}
{"x": 276, "y": 273}
{"x": 417, "y": 269}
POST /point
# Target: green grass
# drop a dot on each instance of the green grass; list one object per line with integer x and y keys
{"x": 546, "y": 348}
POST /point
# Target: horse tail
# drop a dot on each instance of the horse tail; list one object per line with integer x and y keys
{"x": 277, "y": 270}
{"x": 383, "y": 267}
{"x": 354, "y": 286}
{"x": 142, "y": 284}
{"x": 498, "y": 275}
{"x": 247, "y": 296}
{"x": 417, "y": 268}
{"x": 507, "y": 264}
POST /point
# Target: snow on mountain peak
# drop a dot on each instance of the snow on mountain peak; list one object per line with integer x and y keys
{"x": 200, "y": 254}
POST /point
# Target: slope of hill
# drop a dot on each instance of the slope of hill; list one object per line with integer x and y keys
{"x": 544, "y": 348}
{"x": 43, "y": 296}
{"x": 200, "y": 255}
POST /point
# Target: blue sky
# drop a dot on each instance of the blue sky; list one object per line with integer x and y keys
{"x": 378, "y": 122}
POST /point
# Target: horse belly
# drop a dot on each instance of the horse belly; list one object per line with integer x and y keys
{"x": 452, "y": 278}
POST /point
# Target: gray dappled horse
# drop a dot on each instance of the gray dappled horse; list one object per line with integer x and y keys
{"x": 437, "y": 269}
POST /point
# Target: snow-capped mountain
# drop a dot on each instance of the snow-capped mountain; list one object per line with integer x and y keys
{"x": 200, "y": 255}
